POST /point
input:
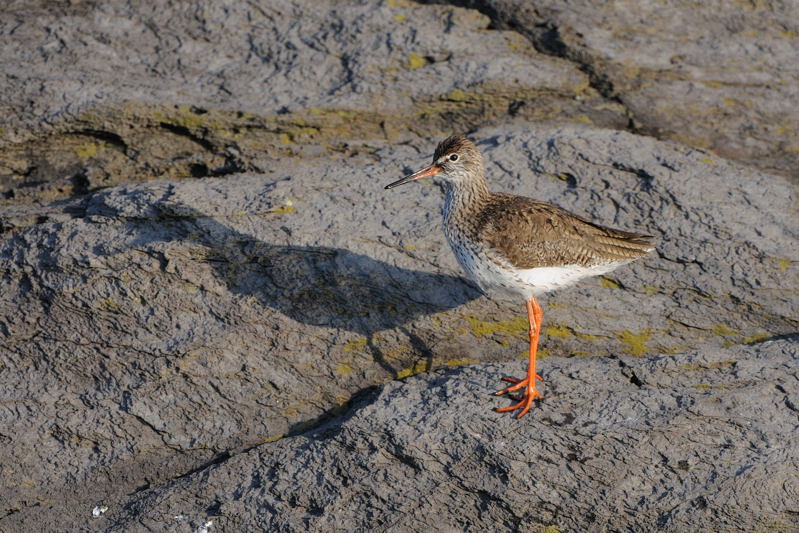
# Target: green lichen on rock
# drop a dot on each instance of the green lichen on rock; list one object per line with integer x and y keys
{"x": 705, "y": 386}
{"x": 418, "y": 367}
{"x": 415, "y": 61}
{"x": 86, "y": 150}
{"x": 722, "y": 330}
{"x": 283, "y": 209}
{"x": 343, "y": 369}
{"x": 480, "y": 328}
{"x": 460, "y": 361}
{"x": 649, "y": 290}
{"x": 755, "y": 338}
{"x": 783, "y": 263}
{"x": 635, "y": 343}
{"x": 355, "y": 345}
{"x": 609, "y": 283}
{"x": 559, "y": 332}
{"x": 456, "y": 95}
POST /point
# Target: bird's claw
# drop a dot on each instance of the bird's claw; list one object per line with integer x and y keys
{"x": 525, "y": 402}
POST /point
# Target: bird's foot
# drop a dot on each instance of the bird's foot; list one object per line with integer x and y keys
{"x": 519, "y": 383}
{"x": 528, "y": 396}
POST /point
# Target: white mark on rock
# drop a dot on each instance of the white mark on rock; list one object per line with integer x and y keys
{"x": 205, "y": 527}
{"x": 99, "y": 510}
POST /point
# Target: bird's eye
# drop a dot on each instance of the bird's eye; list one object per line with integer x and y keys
{"x": 453, "y": 157}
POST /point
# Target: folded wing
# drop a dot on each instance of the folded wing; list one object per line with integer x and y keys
{"x": 532, "y": 234}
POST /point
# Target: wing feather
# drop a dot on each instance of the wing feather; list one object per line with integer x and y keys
{"x": 531, "y": 234}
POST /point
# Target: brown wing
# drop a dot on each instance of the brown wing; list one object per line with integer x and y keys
{"x": 532, "y": 234}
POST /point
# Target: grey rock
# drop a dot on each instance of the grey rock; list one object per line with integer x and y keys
{"x": 158, "y": 329}
{"x": 673, "y": 443}
{"x": 718, "y": 75}
{"x": 155, "y": 329}
{"x": 112, "y": 92}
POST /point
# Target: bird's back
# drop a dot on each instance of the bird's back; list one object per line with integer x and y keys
{"x": 531, "y": 234}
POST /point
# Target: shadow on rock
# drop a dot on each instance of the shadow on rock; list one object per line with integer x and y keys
{"x": 321, "y": 286}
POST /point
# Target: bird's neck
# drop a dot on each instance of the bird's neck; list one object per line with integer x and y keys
{"x": 463, "y": 197}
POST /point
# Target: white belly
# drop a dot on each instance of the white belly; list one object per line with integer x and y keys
{"x": 492, "y": 273}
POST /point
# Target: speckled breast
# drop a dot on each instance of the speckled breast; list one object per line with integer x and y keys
{"x": 481, "y": 266}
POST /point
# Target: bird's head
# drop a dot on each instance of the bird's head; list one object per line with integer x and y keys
{"x": 456, "y": 160}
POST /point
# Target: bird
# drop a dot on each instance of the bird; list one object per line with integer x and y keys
{"x": 519, "y": 246}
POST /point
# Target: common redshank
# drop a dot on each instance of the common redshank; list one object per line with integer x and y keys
{"x": 518, "y": 245}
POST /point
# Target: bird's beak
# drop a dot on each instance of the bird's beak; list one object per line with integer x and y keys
{"x": 426, "y": 172}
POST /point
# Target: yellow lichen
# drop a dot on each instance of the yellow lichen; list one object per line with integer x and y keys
{"x": 549, "y": 529}
{"x": 417, "y": 368}
{"x": 283, "y": 209}
{"x": 705, "y": 386}
{"x": 674, "y": 349}
{"x": 460, "y": 361}
{"x": 399, "y": 18}
{"x": 586, "y": 336}
{"x": 609, "y": 283}
{"x": 559, "y": 332}
{"x": 757, "y": 337}
{"x": 480, "y": 328}
{"x": 355, "y": 345}
{"x": 456, "y": 95}
{"x": 783, "y": 263}
{"x": 707, "y": 366}
{"x": 186, "y": 118}
{"x": 415, "y": 61}
{"x": 649, "y": 290}
{"x": 635, "y": 343}
{"x": 720, "y": 329}
{"x": 86, "y": 150}
{"x": 343, "y": 369}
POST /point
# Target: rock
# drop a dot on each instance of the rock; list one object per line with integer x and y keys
{"x": 199, "y": 266}
{"x": 672, "y": 443}
{"x": 215, "y": 89}
{"x": 155, "y": 329}
{"x": 720, "y": 75}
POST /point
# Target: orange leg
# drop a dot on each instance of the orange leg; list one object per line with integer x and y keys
{"x": 534, "y": 316}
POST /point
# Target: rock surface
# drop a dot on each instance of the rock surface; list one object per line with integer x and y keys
{"x": 718, "y": 75}
{"x": 428, "y": 454}
{"x": 199, "y": 266}
{"x": 131, "y": 90}
{"x": 179, "y": 322}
